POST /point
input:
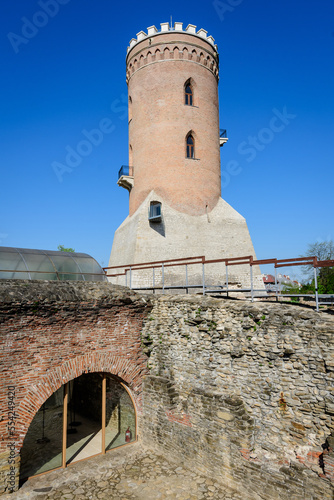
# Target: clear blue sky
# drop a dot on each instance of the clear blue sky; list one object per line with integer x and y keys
{"x": 69, "y": 74}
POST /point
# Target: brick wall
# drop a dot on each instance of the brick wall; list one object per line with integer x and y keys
{"x": 53, "y": 332}
{"x": 156, "y": 76}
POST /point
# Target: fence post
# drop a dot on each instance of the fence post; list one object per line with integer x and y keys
{"x": 276, "y": 284}
{"x": 126, "y": 277}
{"x": 252, "y": 287}
{"x": 316, "y": 288}
{"x": 130, "y": 278}
{"x": 203, "y": 275}
{"x": 163, "y": 278}
{"x": 187, "y": 278}
{"x": 226, "y": 280}
{"x": 153, "y": 279}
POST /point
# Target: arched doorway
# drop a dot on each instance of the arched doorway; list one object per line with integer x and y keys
{"x": 87, "y": 416}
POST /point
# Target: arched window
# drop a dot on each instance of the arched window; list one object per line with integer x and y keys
{"x": 99, "y": 414}
{"x": 189, "y": 96}
{"x": 190, "y": 147}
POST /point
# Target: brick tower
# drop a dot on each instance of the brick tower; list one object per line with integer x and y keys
{"x": 173, "y": 178}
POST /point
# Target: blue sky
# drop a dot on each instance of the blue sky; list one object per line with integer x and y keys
{"x": 67, "y": 76}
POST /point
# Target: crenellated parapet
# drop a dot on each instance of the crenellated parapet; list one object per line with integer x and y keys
{"x": 172, "y": 44}
{"x": 178, "y": 27}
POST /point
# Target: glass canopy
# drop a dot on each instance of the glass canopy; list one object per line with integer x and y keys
{"x": 28, "y": 264}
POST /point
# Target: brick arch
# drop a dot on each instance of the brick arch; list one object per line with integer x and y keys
{"x": 166, "y": 53}
{"x": 185, "y": 52}
{"x": 42, "y": 388}
{"x": 172, "y": 52}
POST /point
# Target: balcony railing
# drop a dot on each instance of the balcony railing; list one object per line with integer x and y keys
{"x": 125, "y": 177}
{"x": 222, "y": 137}
{"x": 125, "y": 170}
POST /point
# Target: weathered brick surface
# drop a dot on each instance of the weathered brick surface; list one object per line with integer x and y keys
{"x": 53, "y": 332}
{"x": 160, "y": 121}
{"x": 243, "y": 392}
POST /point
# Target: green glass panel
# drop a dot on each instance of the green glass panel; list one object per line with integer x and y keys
{"x": 38, "y": 262}
{"x": 64, "y": 263}
{"x": 42, "y": 276}
{"x": 120, "y": 416}
{"x": 42, "y": 446}
{"x": 8, "y": 275}
{"x": 11, "y": 261}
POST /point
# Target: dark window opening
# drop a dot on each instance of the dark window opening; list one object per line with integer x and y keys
{"x": 190, "y": 147}
{"x": 189, "y": 96}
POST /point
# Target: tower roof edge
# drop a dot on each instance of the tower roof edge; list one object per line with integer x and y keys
{"x": 167, "y": 28}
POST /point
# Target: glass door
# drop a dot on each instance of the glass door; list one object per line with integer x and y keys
{"x": 84, "y": 417}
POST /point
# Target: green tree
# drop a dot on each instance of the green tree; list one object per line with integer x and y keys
{"x": 323, "y": 250}
{"x": 61, "y": 248}
{"x": 326, "y": 280}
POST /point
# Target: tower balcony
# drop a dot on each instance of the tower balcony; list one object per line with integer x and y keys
{"x": 125, "y": 177}
{"x": 222, "y": 137}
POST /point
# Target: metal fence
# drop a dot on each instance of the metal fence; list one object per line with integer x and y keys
{"x": 161, "y": 285}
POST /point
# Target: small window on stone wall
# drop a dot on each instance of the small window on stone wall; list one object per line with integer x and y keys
{"x": 154, "y": 214}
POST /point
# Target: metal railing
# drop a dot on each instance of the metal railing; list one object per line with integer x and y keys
{"x": 125, "y": 170}
{"x": 223, "y": 133}
{"x": 128, "y": 270}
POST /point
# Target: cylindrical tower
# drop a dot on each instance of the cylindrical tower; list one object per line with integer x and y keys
{"x": 174, "y": 146}
{"x": 176, "y": 210}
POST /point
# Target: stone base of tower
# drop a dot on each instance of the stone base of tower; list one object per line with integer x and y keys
{"x": 219, "y": 234}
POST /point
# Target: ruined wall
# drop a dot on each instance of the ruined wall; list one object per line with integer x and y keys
{"x": 241, "y": 392}
{"x": 52, "y": 332}
{"x": 244, "y": 393}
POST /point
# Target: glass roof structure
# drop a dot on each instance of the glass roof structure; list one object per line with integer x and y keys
{"x": 29, "y": 264}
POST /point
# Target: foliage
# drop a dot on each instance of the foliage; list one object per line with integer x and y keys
{"x": 61, "y": 248}
{"x": 291, "y": 289}
{"x": 326, "y": 280}
{"x": 324, "y": 250}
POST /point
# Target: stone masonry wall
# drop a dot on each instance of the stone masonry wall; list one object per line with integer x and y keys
{"x": 52, "y": 332}
{"x": 244, "y": 393}
{"x": 241, "y": 392}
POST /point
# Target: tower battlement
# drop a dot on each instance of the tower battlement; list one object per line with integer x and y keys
{"x": 178, "y": 28}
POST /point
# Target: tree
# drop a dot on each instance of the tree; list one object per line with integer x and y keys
{"x": 323, "y": 250}
{"x": 61, "y": 248}
{"x": 326, "y": 280}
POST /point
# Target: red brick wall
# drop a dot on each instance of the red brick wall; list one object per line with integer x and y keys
{"x": 48, "y": 338}
{"x": 161, "y": 121}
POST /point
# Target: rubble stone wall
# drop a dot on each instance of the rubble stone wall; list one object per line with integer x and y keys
{"x": 244, "y": 393}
